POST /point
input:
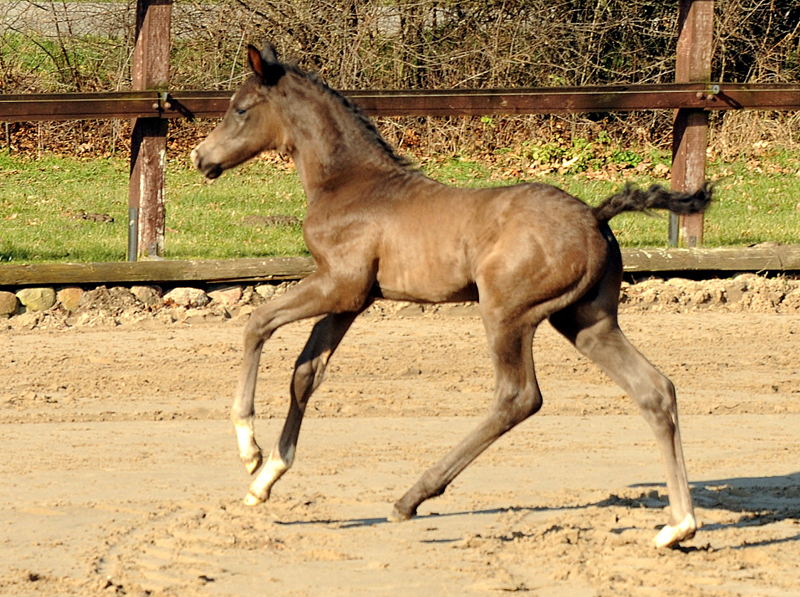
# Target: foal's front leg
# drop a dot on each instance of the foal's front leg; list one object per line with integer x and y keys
{"x": 308, "y": 373}
{"x": 304, "y": 301}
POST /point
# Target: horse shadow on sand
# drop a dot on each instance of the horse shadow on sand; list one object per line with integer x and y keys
{"x": 757, "y": 500}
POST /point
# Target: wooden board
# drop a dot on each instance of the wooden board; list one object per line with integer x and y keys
{"x": 146, "y": 272}
{"x": 446, "y": 102}
{"x": 778, "y": 258}
{"x": 773, "y": 259}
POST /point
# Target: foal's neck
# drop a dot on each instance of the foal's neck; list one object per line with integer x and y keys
{"x": 329, "y": 144}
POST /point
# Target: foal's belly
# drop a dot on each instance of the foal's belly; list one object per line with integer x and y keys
{"x": 425, "y": 278}
{"x": 426, "y": 295}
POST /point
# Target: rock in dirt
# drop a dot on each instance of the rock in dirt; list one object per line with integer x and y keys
{"x": 266, "y": 291}
{"x": 186, "y": 297}
{"x": 37, "y": 299}
{"x": 226, "y": 296}
{"x": 148, "y": 295}
{"x": 70, "y": 297}
{"x": 8, "y": 304}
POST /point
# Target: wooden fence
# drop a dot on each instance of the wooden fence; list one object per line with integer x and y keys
{"x": 700, "y": 96}
{"x": 637, "y": 262}
{"x": 152, "y": 104}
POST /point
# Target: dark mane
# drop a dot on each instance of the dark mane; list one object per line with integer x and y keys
{"x": 362, "y": 120}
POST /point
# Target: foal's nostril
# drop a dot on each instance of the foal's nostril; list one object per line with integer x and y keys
{"x": 214, "y": 172}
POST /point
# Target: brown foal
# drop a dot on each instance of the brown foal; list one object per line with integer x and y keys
{"x": 377, "y": 228}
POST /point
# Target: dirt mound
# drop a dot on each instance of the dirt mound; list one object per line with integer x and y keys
{"x": 744, "y": 293}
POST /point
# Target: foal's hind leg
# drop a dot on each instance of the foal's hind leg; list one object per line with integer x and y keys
{"x": 595, "y": 332}
{"x": 517, "y": 397}
{"x": 308, "y": 373}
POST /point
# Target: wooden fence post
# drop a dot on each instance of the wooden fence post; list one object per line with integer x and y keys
{"x": 690, "y": 127}
{"x": 149, "y": 138}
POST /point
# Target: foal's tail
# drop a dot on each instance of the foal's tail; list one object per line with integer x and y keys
{"x": 655, "y": 197}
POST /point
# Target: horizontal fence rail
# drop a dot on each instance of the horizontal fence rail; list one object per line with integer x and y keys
{"x": 146, "y": 272}
{"x": 777, "y": 259}
{"x": 209, "y": 104}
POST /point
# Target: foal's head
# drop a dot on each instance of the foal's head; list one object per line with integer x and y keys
{"x": 252, "y": 123}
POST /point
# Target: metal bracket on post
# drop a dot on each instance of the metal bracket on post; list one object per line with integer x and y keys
{"x": 163, "y": 104}
{"x": 133, "y": 232}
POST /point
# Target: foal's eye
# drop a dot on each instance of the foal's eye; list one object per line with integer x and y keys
{"x": 240, "y": 111}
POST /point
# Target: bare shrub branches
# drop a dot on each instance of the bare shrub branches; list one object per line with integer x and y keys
{"x": 62, "y": 46}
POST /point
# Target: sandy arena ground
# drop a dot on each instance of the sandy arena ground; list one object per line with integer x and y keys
{"x": 120, "y": 474}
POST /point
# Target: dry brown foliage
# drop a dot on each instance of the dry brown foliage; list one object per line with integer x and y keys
{"x": 412, "y": 44}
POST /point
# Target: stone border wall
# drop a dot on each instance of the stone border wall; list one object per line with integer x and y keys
{"x": 73, "y": 306}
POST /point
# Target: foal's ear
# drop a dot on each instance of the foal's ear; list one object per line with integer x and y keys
{"x": 265, "y": 64}
{"x": 268, "y": 53}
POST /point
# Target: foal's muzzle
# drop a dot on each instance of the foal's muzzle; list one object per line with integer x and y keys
{"x": 209, "y": 169}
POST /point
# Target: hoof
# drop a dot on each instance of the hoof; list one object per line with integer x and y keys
{"x": 670, "y": 536}
{"x": 399, "y": 515}
{"x": 251, "y": 463}
{"x": 252, "y": 500}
